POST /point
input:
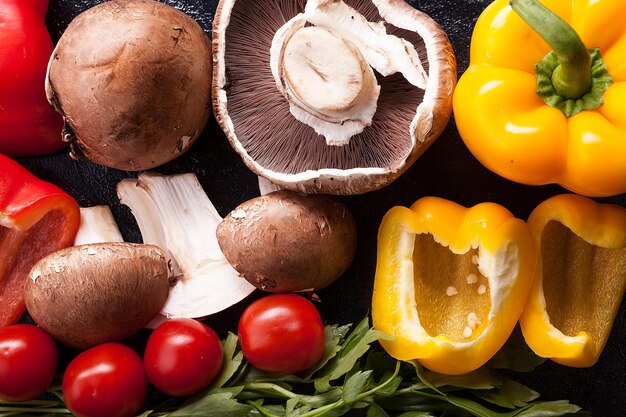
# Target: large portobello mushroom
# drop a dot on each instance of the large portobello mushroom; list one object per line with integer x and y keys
{"x": 301, "y": 103}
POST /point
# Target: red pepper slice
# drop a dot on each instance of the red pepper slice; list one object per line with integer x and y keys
{"x": 28, "y": 125}
{"x": 36, "y": 218}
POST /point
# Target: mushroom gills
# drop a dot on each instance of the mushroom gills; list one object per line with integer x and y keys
{"x": 254, "y": 110}
{"x": 325, "y": 71}
{"x": 174, "y": 213}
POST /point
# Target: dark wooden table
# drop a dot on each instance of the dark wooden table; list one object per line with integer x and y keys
{"x": 446, "y": 170}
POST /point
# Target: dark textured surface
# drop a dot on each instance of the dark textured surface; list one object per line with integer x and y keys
{"x": 446, "y": 170}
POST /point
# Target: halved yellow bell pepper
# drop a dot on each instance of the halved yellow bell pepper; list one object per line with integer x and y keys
{"x": 515, "y": 133}
{"x": 450, "y": 282}
{"x": 581, "y": 279}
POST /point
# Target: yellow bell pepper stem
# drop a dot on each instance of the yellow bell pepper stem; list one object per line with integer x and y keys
{"x": 572, "y": 77}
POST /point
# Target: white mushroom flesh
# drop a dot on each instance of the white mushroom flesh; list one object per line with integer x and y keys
{"x": 328, "y": 84}
{"x": 386, "y": 53}
{"x": 185, "y": 222}
{"x": 97, "y": 225}
{"x": 266, "y": 186}
{"x": 325, "y": 71}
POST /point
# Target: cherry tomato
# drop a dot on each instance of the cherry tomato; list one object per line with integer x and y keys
{"x": 105, "y": 381}
{"x": 282, "y": 333}
{"x": 28, "y": 362}
{"x": 183, "y": 356}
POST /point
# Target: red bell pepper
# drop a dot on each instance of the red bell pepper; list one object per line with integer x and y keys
{"x": 28, "y": 125}
{"x": 36, "y": 218}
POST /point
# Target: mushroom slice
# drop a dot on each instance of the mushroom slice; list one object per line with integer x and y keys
{"x": 388, "y": 54}
{"x": 259, "y": 101}
{"x": 326, "y": 80}
{"x": 174, "y": 213}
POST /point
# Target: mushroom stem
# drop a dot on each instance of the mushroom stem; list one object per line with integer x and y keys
{"x": 266, "y": 186}
{"x": 97, "y": 225}
{"x": 326, "y": 80}
{"x": 324, "y": 71}
{"x": 174, "y": 213}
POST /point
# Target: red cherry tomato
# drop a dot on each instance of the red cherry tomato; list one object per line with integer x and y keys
{"x": 282, "y": 333}
{"x": 105, "y": 381}
{"x": 28, "y": 362}
{"x": 183, "y": 356}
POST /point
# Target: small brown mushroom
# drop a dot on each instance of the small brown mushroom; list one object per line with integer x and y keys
{"x": 132, "y": 79}
{"x": 285, "y": 241}
{"x": 303, "y": 119}
{"x": 96, "y": 293}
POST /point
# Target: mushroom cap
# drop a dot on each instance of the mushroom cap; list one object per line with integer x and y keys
{"x": 256, "y": 119}
{"x": 96, "y": 293}
{"x": 132, "y": 81}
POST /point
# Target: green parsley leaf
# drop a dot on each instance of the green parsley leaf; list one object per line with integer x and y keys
{"x": 216, "y": 404}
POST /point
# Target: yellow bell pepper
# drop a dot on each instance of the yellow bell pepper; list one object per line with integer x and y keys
{"x": 581, "y": 279}
{"x": 559, "y": 119}
{"x": 450, "y": 282}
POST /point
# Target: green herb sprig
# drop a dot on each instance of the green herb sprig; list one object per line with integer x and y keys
{"x": 354, "y": 378}
{"x": 357, "y": 378}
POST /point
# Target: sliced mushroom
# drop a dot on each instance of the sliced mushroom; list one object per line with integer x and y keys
{"x": 175, "y": 214}
{"x": 346, "y": 119}
{"x": 386, "y": 53}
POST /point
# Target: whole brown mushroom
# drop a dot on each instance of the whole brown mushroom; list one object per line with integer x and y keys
{"x": 132, "y": 80}
{"x": 286, "y": 241}
{"x": 95, "y": 293}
